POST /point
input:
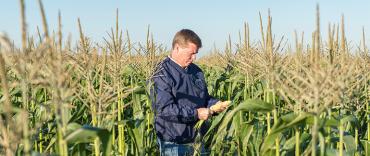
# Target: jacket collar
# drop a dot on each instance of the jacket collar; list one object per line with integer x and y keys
{"x": 177, "y": 64}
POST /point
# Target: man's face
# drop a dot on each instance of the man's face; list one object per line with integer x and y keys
{"x": 187, "y": 54}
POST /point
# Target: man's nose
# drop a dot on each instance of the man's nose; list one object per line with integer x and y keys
{"x": 193, "y": 57}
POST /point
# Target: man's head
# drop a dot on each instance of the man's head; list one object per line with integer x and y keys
{"x": 185, "y": 46}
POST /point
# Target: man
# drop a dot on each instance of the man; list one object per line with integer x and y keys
{"x": 180, "y": 97}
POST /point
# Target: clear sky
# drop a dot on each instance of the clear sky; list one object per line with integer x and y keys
{"x": 213, "y": 20}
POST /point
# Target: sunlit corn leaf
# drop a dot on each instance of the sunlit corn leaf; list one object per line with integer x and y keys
{"x": 269, "y": 140}
{"x": 290, "y": 143}
{"x": 254, "y": 105}
{"x": 323, "y": 122}
{"x": 349, "y": 143}
{"x": 87, "y": 134}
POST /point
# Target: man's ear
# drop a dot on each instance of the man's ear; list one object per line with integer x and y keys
{"x": 176, "y": 48}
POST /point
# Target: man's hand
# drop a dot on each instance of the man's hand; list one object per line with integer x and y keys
{"x": 204, "y": 113}
{"x": 219, "y": 106}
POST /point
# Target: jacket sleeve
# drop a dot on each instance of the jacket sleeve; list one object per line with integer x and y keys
{"x": 165, "y": 104}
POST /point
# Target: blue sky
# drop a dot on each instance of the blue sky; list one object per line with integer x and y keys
{"x": 213, "y": 20}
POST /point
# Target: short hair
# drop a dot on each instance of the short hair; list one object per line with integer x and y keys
{"x": 185, "y": 36}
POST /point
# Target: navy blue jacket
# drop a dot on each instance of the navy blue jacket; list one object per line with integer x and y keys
{"x": 176, "y": 94}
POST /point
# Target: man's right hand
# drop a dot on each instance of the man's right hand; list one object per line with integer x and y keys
{"x": 204, "y": 113}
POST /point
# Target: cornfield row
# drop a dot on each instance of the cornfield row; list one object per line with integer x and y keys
{"x": 92, "y": 98}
